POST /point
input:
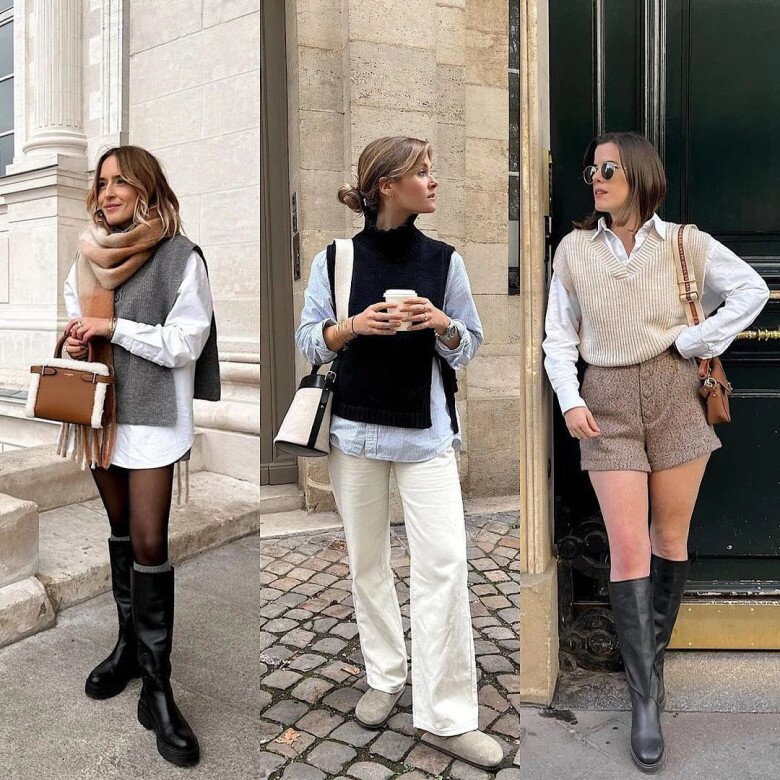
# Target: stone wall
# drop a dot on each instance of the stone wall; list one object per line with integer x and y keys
{"x": 181, "y": 79}
{"x": 437, "y": 70}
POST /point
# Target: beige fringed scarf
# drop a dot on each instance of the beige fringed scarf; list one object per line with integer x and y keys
{"x": 104, "y": 262}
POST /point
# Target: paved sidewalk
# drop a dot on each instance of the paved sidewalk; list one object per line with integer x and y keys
{"x": 267, "y": 668}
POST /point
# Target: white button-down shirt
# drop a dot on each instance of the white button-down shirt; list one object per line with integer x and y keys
{"x": 176, "y": 344}
{"x": 727, "y": 279}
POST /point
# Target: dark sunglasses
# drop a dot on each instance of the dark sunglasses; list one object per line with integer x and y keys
{"x": 607, "y": 171}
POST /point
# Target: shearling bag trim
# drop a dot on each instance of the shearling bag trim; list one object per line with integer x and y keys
{"x": 101, "y": 389}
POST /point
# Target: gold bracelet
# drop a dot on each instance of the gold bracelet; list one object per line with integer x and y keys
{"x": 113, "y": 328}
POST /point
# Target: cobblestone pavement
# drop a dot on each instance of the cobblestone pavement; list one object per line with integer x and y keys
{"x": 314, "y": 668}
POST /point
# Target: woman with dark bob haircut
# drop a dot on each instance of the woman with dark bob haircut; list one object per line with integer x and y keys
{"x": 643, "y": 433}
{"x": 139, "y": 295}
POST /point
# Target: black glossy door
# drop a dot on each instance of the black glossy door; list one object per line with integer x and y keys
{"x": 700, "y": 79}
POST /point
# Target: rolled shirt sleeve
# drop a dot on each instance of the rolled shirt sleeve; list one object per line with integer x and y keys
{"x": 731, "y": 281}
{"x": 318, "y": 312}
{"x": 460, "y": 307}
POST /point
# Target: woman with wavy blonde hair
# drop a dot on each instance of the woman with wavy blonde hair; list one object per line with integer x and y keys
{"x": 394, "y": 408}
{"x": 139, "y": 296}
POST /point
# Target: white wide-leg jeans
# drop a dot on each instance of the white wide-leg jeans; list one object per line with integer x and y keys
{"x": 444, "y": 679}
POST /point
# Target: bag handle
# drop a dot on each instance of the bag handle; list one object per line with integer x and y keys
{"x": 345, "y": 259}
{"x": 61, "y": 344}
{"x": 689, "y": 293}
{"x": 686, "y": 281}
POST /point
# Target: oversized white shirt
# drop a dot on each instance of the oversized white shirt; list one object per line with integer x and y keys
{"x": 727, "y": 278}
{"x": 176, "y": 344}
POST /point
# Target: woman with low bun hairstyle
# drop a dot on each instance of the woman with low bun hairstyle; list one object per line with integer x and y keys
{"x": 394, "y": 409}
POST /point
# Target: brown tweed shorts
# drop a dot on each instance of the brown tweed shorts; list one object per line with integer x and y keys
{"x": 650, "y": 415}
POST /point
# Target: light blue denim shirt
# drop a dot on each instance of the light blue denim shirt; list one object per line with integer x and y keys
{"x": 388, "y": 442}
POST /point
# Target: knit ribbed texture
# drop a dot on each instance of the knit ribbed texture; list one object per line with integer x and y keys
{"x": 630, "y": 313}
{"x": 161, "y": 569}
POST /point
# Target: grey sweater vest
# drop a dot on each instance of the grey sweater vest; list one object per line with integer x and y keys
{"x": 145, "y": 393}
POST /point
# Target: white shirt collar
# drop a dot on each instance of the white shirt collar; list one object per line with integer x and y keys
{"x": 654, "y": 222}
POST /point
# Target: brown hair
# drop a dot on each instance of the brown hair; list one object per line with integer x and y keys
{"x": 644, "y": 173}
{"x": 386, "y": 158}
{"x": 142, "y": 171}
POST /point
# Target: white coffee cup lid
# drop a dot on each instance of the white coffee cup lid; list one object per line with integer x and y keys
{"x": 400, "y": 293}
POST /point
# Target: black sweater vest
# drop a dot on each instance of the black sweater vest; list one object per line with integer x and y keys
{"x": 386, "y": 380}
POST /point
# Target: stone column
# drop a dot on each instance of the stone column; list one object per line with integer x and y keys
{"x": 56, "y": 127}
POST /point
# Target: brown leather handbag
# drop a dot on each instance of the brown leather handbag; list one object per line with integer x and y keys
{"x": 715, "y": 388}
{"x": 70, "y": 391}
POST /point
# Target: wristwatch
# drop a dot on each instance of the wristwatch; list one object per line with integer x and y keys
{"x": 452, "y": 329}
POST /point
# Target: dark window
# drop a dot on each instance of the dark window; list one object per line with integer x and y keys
{"x": 6, "y": 84}
{"x": 514, "y": 148}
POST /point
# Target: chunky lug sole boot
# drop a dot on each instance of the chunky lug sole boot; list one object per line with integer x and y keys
{"x": 632, "y": 607}
{"x": 668, "y": 578}
{"x": 157, "y": 710}
{"x": 110, "y": 677}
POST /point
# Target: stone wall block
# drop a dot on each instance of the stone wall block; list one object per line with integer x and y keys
{"x": 450, "y": 209}
{"x": 450, "y": 35}
{"x": 490, "y": 16}
{"x": 451, "y": 102}
{"x": 319, "y": 207}
{"x": 191, "y": 60}
{"x": 212, "y": 164}
{"x": 167, "y": 121}
{"x": 153, "y": 24}
{"x": 500, "y": 317}
{"x": 367, "y": 123}
{"x": 232, "y": 268}
{"x": 322, "y": 140}
{"x": 487, "y": 164}
{"x": 390, "y": 76}
{"x": 25, "y": 609}
{"x": 411, "y": 23}
{"x": 486, "y": 61}
{"x": 320, "y": 79}
{"x": 219, "y": 11}
{"x": 316, "y": 485}
{"x": 449, "y": 154}
{"x": 486, "y": 216}
{"x": 487, "y": 112}
{"x": 495, "y": 454}
{"x": 18, "y": 539}
{"x": 230, "y": 217}
{"x": 319, "y": 23}
{"x": 494, "y": 377}
{"x": 486, "y": 265}
{"x": 231, "y": 104}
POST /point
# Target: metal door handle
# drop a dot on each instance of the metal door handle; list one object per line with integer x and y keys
{"x": 760, "y": 335}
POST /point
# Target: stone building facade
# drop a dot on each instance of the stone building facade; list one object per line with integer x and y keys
{"x": 182, "y": 79}
{"x": 434, "y": 70}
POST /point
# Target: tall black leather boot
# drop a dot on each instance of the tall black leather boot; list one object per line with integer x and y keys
{"x": 111, "y": 676}
{"x": 157, "y": 710}
{"x": 669, "y": 578}
{"x": 632, "y": 607}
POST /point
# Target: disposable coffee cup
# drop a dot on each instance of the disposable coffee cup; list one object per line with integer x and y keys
{"x": 399, "y": 296}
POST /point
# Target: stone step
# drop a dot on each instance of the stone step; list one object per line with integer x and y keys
{"x": 74, "y": 554}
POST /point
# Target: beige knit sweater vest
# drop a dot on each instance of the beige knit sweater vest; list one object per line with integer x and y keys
{"x": 630, "y": 313}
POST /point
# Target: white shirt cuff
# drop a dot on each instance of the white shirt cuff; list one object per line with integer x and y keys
{"x": 568, "y": 399}
{"x": 691, "y": 344}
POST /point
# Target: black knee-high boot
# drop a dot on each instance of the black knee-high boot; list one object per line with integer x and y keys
{"x": 632, "y": 607}
{"x": 111, "y": 676}
{"x": 669, "y": 578}
{"x": 153, "y": 611}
